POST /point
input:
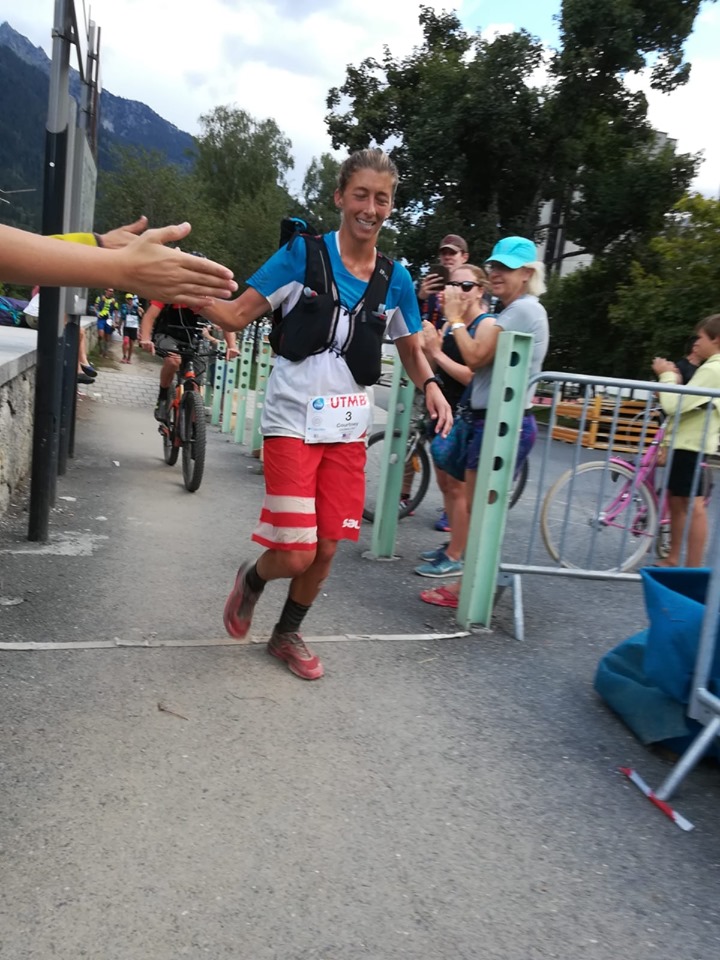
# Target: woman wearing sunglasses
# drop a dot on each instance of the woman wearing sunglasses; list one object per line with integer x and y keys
{"x": 469, "y": 286}
{"x": 517, "y": 279}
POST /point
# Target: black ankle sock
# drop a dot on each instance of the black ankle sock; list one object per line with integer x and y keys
{"x": 254, "y": 580}
{"x": 291, "y": 617}
{"x": 163, "y": 393}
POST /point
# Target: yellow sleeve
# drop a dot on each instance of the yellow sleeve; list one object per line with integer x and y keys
{"x": 89, "y": 239}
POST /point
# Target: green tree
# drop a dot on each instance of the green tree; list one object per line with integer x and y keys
{"x": 676, "y": 283}
{"x": 240, "y": 177}
{"x": 479, "y": 144}
{"x": 143, "y": 183}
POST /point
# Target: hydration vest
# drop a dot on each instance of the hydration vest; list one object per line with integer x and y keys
{"x": 310, "y": 326}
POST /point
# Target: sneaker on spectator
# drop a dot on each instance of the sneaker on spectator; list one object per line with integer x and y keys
{"x": 291, "y": 648}
{"x": 434, "y": 554}
{"x": 88, "y": 370}
{"x": 441, "y": 566}
{"x": 84, "y": 378}
{"x": 443, "y": 525}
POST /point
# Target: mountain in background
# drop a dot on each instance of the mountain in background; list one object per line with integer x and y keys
{"x": 24, "y": 87}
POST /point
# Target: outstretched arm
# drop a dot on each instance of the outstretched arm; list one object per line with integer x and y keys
{"x": 143, "y": 264}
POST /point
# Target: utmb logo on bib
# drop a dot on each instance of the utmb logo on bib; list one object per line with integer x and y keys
{"x": 352, "y": 400}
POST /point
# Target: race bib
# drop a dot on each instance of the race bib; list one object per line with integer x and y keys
{"x": 132, "y": 321}
{"x": 337, "y": 419}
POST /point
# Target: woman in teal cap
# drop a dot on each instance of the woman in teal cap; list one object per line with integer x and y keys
{"x": 517, "y": 279}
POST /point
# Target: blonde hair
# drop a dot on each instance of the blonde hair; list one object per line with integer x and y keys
{"x": 479, "y": 273}
{"x": 536, "y": 284}
{"x": 371, "y": 159}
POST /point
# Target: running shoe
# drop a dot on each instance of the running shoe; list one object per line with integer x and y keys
{"x": 291, "y": 648}
{"x": 161, "y": 410}
{"x": 84, "y": 378}
{"x": 441, "y": 566}
{"x": 240, "y": 605}
{"x": 404, "y": 501}
{"x": 89, "y": 370}
{"x": 434, "y": 554}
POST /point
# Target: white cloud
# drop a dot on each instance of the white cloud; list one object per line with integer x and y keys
{"x": 279, "y": 58}
{"x": 686, "y": 116}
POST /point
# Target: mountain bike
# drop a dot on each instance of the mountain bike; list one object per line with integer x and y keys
{"x": 605, "y": 515}
{"x": 417, "y": 470}
{"x": 185, "y": 428}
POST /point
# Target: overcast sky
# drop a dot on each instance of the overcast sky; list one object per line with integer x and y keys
{"x": 279, "y": 58}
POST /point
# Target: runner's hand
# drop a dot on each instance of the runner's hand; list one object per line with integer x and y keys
{"x": 439, "y": 409}
{"x": 147, "y": 345}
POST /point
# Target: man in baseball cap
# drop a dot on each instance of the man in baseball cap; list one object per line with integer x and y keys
{"x": 452, "y": 252}
{"x": 452, "y": 243}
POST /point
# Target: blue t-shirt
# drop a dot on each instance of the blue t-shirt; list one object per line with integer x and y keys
{"x": 286, "y": 268}
{"x": 281, "y": 280}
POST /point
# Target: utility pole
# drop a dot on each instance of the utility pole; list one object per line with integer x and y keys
{"x": 69, "y": 29}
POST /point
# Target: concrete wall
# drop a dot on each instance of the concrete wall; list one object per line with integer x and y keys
{"x": 17, "y": 400}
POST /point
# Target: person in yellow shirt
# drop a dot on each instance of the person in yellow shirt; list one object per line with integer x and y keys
{"x": 691, "y": 437}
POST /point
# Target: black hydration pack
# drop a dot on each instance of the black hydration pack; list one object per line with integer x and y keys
{"x": 310, "y": 326}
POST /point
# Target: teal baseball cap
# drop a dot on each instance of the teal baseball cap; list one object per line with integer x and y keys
{"x": 513, "y": 252}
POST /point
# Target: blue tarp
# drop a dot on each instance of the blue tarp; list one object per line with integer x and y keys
{"x": 647, "y": 678}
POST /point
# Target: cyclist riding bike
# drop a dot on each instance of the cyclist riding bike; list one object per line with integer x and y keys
{"x": 166, "y": 327}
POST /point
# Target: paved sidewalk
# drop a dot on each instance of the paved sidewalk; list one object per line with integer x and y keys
{"x": 184, "y": 796}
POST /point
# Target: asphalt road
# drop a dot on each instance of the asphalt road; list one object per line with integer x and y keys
{"x": 428, "y": 798}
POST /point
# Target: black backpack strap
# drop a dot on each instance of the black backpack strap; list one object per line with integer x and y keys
{"x": 376, "y": 293}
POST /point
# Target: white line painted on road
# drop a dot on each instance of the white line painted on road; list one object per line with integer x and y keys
{"x": 118, "y": 642}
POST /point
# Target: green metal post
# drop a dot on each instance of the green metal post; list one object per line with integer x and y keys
{"x": 261, "y": 376}
{"x": 382, "y": 544}
{"x": 217, "y": 391}
{"x": 505, "y": 411}
{"x": 228, "y": 394}
{"x": 245, "y": 370}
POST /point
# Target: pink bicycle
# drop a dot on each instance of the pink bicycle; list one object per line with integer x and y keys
{"x": 605, "y": 515}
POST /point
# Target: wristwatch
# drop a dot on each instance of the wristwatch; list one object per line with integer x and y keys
{"x": 458, "y": 323}
{"x": 436, "y": 379}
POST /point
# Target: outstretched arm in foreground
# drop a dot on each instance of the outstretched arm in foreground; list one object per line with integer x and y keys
{"x": 143, "y": 265}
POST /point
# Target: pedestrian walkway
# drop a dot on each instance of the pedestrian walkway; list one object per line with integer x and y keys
{"x": 169, "y": 794}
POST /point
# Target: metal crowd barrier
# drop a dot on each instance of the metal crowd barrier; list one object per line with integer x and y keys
{"x": 237, "y": 386}
{"x": 570, "y": 526}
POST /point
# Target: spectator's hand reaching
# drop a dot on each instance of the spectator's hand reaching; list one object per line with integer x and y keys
{"x": 167, "y": 274}
{"x": 121, "y": 236}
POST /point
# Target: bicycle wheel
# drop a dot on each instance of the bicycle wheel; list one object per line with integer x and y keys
{"x": 519, "y": 483}
{"x": 170, "y": 448}
{"x": 583, "y": 532}
{"x": 193, "y": 439}
{"x": 416, "y": 475}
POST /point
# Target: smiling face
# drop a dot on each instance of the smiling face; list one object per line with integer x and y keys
{"x": 507, "y": 284}
{"x": 471, "y": 299}
{"x": 365, "y": 204}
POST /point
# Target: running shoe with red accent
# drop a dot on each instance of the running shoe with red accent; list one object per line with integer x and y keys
{"x": 240, "y": 605}
{"x": 299, "y": 658}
